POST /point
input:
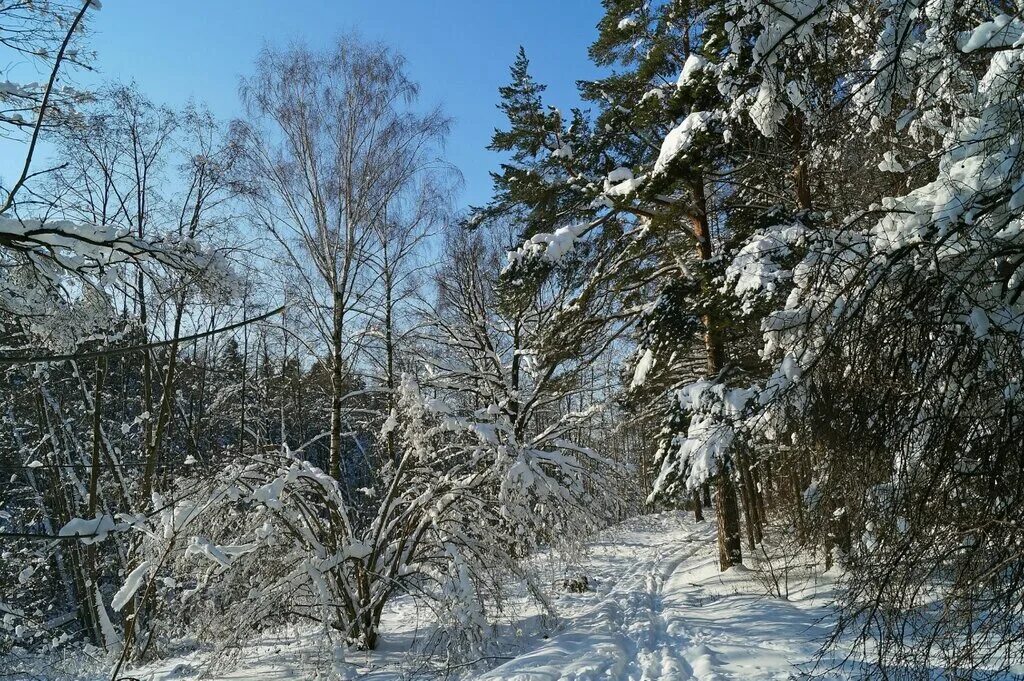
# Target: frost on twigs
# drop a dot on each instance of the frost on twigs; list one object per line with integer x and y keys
{"x": 274, "y": 538}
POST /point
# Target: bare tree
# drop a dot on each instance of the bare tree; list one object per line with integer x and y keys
{"x": 331, "y": 140}
{"x": 402, "y": 235}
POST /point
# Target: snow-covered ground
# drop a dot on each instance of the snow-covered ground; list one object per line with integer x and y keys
{"x": 657, "y": 608}
{"x": 662, "y": 610}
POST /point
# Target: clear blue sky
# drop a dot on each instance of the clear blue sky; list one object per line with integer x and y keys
{"x": 458, "y": 50}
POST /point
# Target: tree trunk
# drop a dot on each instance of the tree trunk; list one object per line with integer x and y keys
{"x": 97, "y": 400}
{"x": 147, "y": 390}
{"x": 801, "y": 179}
{"x": 99, "y": 632}
{"x": 389, "y": 348}
{"x": 750, "y": 503}
{"x": 727, "y": 512}
{"x": 759, "y": 492}
{"x": 337, "y": 388}
{"x": 798, "y": 501}
{"x": 698, "y": 510}
{"x": 749, "y": 514}
{"x": 164, "y": 416}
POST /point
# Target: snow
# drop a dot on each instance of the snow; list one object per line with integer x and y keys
{"x": 222, "y": 555}
{"x": 643, "y": 367}
{"x": 979, "y": 322}
{"x": 131, "y": 585}
{"x": 656, "y": 608}
{"x": 619, "y": 175}
{"x": 989, "y": 33}
{"x": 270, "y": 493}
{"x": 767, "y": 111}
{"x": 549, "y": 245}
{"x": 110, "y": 635}
{"x": 715, "y": 412}
{"x": 564, "y": 151}
{"x": 653, "y": 93}
{"x": 663, "y": 611}
{"x": 680, "y": 139}
{"x": 104, "y": 244}
{"x": 693, "y": 65}
{"x": 889, "y": 164}
{"x": 439, "y": 406}
{"x": 390, "y": 423}
{"x": 624, "y": 188}
{"x": 755, "y": 271}
{"x": 91, "y": 531}
{"x": 620, "y": 182}
{"x": 357, "y": 550}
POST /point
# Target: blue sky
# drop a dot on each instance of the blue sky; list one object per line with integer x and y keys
{"x": 458, "y": 50}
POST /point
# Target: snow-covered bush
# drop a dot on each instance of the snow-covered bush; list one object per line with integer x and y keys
{"x": 272, "y": 540}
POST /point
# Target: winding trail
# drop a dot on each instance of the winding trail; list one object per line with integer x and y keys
{"x": 664, "y": 612}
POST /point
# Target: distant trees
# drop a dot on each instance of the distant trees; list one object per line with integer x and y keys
{"x": 481, "y": 469}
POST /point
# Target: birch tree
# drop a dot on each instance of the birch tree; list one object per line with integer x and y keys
{"x": 331, "y": 139}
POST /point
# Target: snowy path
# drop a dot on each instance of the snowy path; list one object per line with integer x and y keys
{"x": 671, "y": 616}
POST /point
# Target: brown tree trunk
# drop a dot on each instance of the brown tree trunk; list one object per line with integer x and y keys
{"x": 727, "y": 510}
{"x": 801, "y": 179}
{"x": 698, "y": 510}
{"x": 750, "y": 503}
{"x": 94, "y": 473}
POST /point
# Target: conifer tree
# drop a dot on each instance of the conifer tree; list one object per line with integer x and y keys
{"x": 644, "y": 212}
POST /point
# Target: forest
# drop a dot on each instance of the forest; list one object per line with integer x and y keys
{"x": 722, "y": 382}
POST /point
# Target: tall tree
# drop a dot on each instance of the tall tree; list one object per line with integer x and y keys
{"x": 332, "y": 139}
{"x": 636, "y": 212}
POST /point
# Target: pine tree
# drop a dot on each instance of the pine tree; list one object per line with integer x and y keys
{"x": 644, "y": 220}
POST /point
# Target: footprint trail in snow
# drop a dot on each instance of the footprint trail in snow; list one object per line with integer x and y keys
{"x": 671, "y": 616}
